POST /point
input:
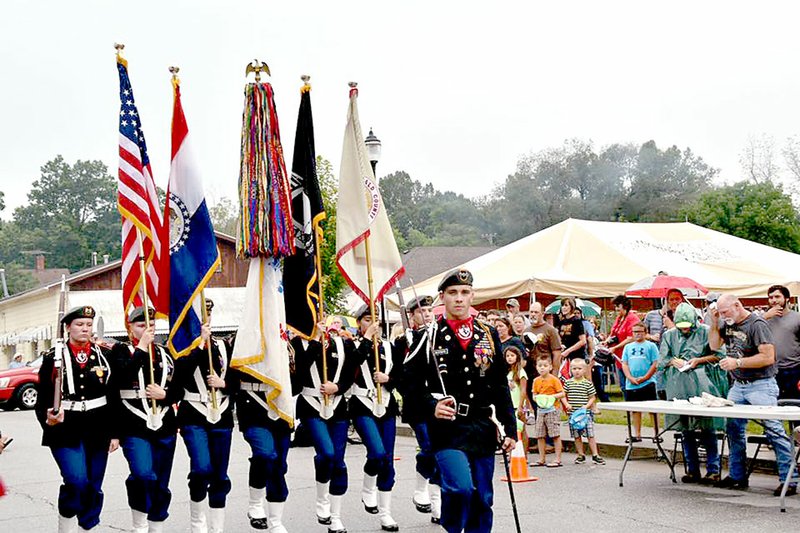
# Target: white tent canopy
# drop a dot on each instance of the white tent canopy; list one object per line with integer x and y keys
{"x": 602, "y": 259}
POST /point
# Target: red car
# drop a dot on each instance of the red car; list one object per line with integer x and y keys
{"x": 18, "y": 386}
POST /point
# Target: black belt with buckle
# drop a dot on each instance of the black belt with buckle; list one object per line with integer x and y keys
{"x": 747, "y": 381}
{"x": 472, "y": 411}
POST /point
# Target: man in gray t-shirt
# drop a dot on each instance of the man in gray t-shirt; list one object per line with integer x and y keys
{"x": 785, "y": 326}
{"x": 751, "y": 363}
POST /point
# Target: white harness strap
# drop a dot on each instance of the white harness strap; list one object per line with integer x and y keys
{"x": 154, "y": 420}
{"x": 369, "y": 395}
{"x": 67, "y": 364}
{"x": 314, "y": 397}
{"x": 201, "y": 400}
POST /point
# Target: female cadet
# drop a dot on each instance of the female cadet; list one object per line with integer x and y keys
{"x": 147, "y": 434}
{"x": 206, "y": 429}
{"x": 269, "y": 437}
{"x": 323, "y": 410}
{"x": 79, "y": 434}
{"x": 376, "y": 420}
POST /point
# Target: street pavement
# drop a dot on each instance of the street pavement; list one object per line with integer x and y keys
{"x": 574, "y": 497}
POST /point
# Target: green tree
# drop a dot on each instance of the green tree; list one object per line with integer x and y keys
{"x": 224, "y": 216}
{"x": 71, "y": 212}
{"x": 17, "y": 280}
{"x": 759, "y": 212}
{"x": 333, "y": 283}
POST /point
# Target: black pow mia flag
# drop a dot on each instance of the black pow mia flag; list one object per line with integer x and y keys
{"x": 301, "y": 281}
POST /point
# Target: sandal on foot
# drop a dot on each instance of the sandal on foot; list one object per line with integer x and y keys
{"x": 555, "y": 464}
{"x": 537, "y": 463}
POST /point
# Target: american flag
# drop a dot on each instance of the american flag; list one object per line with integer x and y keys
{"x": 138, "y": 204}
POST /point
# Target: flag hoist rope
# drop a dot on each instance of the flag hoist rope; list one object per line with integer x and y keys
{"x": 143, "y": 272}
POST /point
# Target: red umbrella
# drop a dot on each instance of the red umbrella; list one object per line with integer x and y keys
{"x": 657, "y": 287}
{"x": 439, "y": 310}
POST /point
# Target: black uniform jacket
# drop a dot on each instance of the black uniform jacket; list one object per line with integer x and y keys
{"x": 476, "y": 383}
{"x": 366, "y": 353}
{"x": 126, "y": 365}
{"x": 307, "y": 353}
{"x": 95, "y": 426}
{"x": 184, "y": 381}
{"x": 249, "y": 411}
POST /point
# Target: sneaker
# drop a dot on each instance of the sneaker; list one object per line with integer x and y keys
{"x": 791, "y": 491}
{"x": 730, "y": 483}
{"x": 691, "y": 478}
{"x": 710, "y": 479}
{"x": 580, "y": 459}
{"x": 596, "y": 459}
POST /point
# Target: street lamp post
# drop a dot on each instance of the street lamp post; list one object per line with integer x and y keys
{"x": 374, "y": 154}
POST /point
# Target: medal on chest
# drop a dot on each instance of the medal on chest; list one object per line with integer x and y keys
{"x": 82, "y": 358}
{"x": 483, "y": 356}
{"x": 464, "y": 332}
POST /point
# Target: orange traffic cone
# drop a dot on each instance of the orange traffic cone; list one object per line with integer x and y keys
{"x": 519, "y": 465}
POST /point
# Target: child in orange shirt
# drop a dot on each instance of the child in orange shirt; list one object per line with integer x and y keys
{"x": 547, "y": 390}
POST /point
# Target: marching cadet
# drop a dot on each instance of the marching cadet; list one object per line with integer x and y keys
{"x": 427, "y": 496}
{"x": 147, "y": 435}
{"x": 374, "y": 420}
{"x": 458, "y": 380}
{"x": 322, "y": 409}
{"x": 269, "y": 438}
{"x": 206, "y": 428}
{"x": 80, "y": 433}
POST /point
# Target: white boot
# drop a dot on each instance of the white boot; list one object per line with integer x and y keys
{"x": 276, "y": 517}
{"x": 323, "y": 504}
{"x": 336, "y": 515}
{"x": 67, "y": 525}
{"x": 436, "y": 503}
{"x": 385, "y": 511}
{"x": 255, "y": 511}
{"x": 216, "y": 520}
{"x": 369, "y": 494}
{"x": 198, "y": 516}
{"x": 139, "y": 521}
{"x": 422, "y": 500}
{"x": 156, "y": 527}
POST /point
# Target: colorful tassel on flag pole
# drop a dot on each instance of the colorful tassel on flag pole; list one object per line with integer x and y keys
{"x": 265, "y": 218}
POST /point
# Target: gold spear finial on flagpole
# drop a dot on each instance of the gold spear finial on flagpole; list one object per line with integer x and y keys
{"x": 175, "y": 80}
{"x": 119, "y": 47}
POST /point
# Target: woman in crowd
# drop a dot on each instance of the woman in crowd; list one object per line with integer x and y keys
{"x": 505, "y": 332}
{"x": 570, "y": 329}
{"x": 621, "y": 333}
{"x": 79, "y": 433}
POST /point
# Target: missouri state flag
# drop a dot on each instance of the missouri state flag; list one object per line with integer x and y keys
{"x": 193, "y": 252}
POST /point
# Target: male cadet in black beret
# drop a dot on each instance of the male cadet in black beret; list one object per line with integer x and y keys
{"x": 147, "y": 437}
{"x": 80, "y": 434}
{"x": 427, "y": 496}
{"x": 458, "y": 379}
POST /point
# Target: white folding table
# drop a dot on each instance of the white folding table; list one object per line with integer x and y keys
{"x": 757, "y": 413}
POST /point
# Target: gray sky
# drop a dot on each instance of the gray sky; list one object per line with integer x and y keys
{"x": 456, "y": 90}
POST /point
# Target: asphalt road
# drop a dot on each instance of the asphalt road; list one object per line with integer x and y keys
{"x": 581, "y": 498}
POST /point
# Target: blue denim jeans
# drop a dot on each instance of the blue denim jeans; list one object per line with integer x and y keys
{"x": 330, "y": 442}
{"x": 467, "y": 491}
{"x": 150, "y": 463}
{"x": 268, "y": 462}
{"x": 378, "y": 435}
{"x": 708, "y": 438}
{"x": 209, "y": 454}
{"x": 82, "y": 470}
{"x": 760, "y": 392}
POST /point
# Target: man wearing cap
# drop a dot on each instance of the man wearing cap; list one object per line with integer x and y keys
{"x": 147, "y": 434}
{"x": 322, "y": 409}
{"x": 80, "y": 433}
{"x": 427, "y": 496}
{"x": 459, "y": 383}
{"x": 513, "y": 308}
{"x": 205, "y": 419}
{"x": 16, "y": 362}
{"x": 374, "y": 418}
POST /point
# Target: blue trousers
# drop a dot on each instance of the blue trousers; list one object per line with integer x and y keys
{"x": 467, "y": 491}
{"x": 209, "y": 453}
{"x": 426, "y": 463}
{"x": 759, "y": 392}
{"x": 708, "y": 438}
{"x": 378, "y": 436}
{"x": 268, "y": 461}
{"x": 150, "y": 463}
{"x": 82, "y": 470}
{"x": 330, "y": 441}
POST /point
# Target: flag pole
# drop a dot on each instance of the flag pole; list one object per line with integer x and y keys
{"x": 143, "y": 274}
{"x": 375, "y": 344}
{"x": 211, "y": 371}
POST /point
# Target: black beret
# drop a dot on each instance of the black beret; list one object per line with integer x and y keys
{"x": 137, "y": 315}
{"x": 209, "y": 305}
{"x": 83, "y": 311}
{"x": 364, "y": 311}
{"x": 420, "y": 301}
{"x": 459, "y": 276}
